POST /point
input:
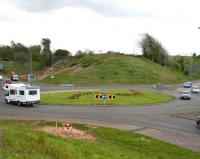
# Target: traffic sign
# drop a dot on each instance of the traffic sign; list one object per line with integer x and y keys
{"x": 111, "y": 96}
{"x": 31, "y": 77}
{"x": 97, "y": 96}
{"x": 1, "y": 66}
{"x": 104, "y": 96}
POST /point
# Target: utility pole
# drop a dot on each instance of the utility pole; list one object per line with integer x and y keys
{"x": 165, "y": 61}
{"x": 52, "y": 59}
{"x": 30, "y": 72}
{"x": 31, "y": 62}
{"x": 191, "y": 61}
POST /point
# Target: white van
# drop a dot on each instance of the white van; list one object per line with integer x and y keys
{"x": 21, "y": 94}
{"x": 14, "y": 78}
{"x": 1, "y": 78}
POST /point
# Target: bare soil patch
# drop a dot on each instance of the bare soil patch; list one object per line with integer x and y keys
{"x": 71, "y": 132}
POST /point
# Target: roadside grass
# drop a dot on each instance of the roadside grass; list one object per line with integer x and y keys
{"x": 122, "y": 97}
{"x": 18, "y": 68}
{"x": 116, "y": 69}
{"x": 21, "y": 139}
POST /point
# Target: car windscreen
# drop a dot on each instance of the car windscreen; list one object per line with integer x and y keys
{"x": 32, "y": 92}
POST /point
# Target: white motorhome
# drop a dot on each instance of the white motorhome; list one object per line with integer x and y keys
{"x": 22, "y": 94}
{"x": 7, "y": 86}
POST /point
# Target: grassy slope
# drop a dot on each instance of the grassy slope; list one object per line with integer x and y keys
{"x": 118, "y": 69}
{"x": 18, "y": 68}
{"x": 87, "y": 98}
{"x": 21, "y": 140}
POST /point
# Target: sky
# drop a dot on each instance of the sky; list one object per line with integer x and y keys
{"x": 102, "y": 25}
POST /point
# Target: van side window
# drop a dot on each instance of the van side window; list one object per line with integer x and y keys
{"x": 13, "y": 92}
{"x": 33, "y": 92}
{"x": 21, "y": 93}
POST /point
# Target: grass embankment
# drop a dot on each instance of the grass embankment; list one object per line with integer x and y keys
{"x": 122, "y": 97}
{"x": 22, "y": 140}
{"x": 18, "y": 68}
{"x": 114, "y": 69}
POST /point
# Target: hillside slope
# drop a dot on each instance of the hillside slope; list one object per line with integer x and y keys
{"x": 111, "y": 70}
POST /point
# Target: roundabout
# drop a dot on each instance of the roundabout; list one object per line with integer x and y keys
{"x": 171, "y": 117}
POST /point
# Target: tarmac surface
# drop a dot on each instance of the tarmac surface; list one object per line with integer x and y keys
{"x": 173, "y": 122}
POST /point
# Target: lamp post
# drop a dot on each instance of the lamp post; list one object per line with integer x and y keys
{"x": 191, "y": 60}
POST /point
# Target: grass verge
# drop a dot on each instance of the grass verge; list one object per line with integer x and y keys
{"x": 22, "y": 140}
{"x": 122, "y": 97}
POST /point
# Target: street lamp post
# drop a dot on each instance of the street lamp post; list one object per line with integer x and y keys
{"x": 191, "y": 60}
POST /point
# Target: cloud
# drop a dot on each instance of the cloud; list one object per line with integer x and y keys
{"x": 110, "y": 8}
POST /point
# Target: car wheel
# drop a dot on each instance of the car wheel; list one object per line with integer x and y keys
{"x": 18, "y": 103}
{"x": 6, "y": 101}
{"x": 198, "y": 124}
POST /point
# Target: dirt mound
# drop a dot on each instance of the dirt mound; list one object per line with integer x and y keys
{"x": 53, "y": 71}
{"x": 72, "y": 133}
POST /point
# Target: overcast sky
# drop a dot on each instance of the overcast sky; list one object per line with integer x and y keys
{"x": 102, "y": 24}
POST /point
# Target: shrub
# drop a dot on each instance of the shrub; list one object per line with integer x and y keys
{"x": 90, "y": 60}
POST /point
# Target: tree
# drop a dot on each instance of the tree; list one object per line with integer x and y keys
{"x": 6, "y": 53}
{"x": 18, "y": 47}
{"x": 46, "y": 51}
{"x": 46, "y": 45}
{"x": 153, "y": 50}
{"x": 20, "y": 57}
{"x": 80, "y": 54}
{"x": 61, "y": 52}
{"x": 194, "y": 54}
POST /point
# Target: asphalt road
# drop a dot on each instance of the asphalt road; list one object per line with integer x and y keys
{"x": 177, "y": 116}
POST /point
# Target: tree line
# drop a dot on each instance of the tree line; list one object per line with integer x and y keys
{"x": 151, "y": 48}
{"x": 42, "y": 53}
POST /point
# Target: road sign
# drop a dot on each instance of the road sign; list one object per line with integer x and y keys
{"x": 1, "y": 66}
{"x": 111, "y": 96}
{"x": 31, "y": 77}
{"x": 104, "y": 96}
{"x": 97, "y": 96}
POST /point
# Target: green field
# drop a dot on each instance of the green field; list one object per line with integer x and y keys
{"x": 22, "y": 140}
{"x": 122, "y": 97}
{"x": 114, "y": 69}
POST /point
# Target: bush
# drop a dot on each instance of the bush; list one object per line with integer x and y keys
{"x": 74, "y": 63}
{"x": 90, "y": 60}
{"x": 61, "y": 52}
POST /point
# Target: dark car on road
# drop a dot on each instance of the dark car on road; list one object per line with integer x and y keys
{"x": 198, "y": 121}
{"x": 7, "y": 82}
{"x": 187, "y": 84}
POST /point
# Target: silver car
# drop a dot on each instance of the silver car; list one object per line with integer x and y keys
{"x": 185, "y": 95}
{"x": 195, "y": 89}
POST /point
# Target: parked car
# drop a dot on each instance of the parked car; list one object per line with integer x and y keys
{"x": 198, "y": 121}
{"x": 7, "y": 82}
{"x": 1, "y": 78}
{"x": 14, "y": 78}
{"x": 187, "y": 84}
{"x": 195, "y": 89}
{"x": 185, "y": 95}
